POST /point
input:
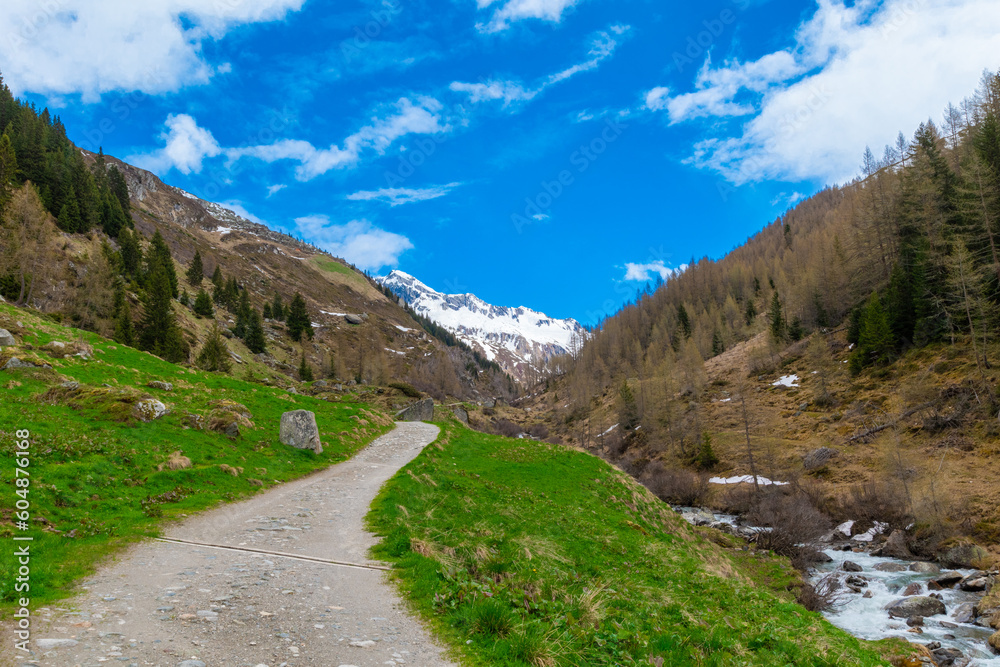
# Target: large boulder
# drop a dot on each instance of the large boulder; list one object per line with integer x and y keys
{"x": 895, "y": 547}
{"x": 965, "y": 556}
{"x": 6, "y": 338}
{"x": 14, "y": 364}
{"x": 354, "y": 319}
{"x": 461, "y": 414}
{"x": 421, "y": 411}
{"x": 917, "y": 605}
{"x": 818, "y": 458}
{"x": 299, "y": 430}
{"x": 148, "y": 409}
{"x": 925, "y": 568}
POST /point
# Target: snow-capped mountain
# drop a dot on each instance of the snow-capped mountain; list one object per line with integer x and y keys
{"x": 520, "y": 340}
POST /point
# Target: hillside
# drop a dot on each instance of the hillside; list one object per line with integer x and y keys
{"x": 881, "y": 297}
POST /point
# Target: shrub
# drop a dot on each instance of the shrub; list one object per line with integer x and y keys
{"x": 507, "y": 428}
{"x": 792, "y": 521}
{"x": 877, "y": 501}
{"x": 678, "y": 487}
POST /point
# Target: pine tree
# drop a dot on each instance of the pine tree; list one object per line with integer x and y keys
{"x": 684, "y": 321}
{"x": 158, "y": 255}
{"x": 119, "y": 188}
{"x": 718, "y": 347}
{"x": 69, "y": 218}
{"x": 299, "y": 321}
{"x": 203, "y": 305}
{"x": 8, "y": 168}
{"x": 131, "y": 253}
{"x": 231, "y": 294}
{"x": 777, "y": 319}
{"x": 124, "y": 328}
{"x": 751, "y": 312}
{"x": 214, "y": 355}
{"x": 217, "y": 278}
{"x": 196, "y": 272}
{"x": 266, "y": 314}
{"x": 628, "y": 411}
{"x": 255, "y": 339}
{"x": 184, "y": 299}
{"x": 305, "y": 372}
{"x": 243, "y": 311}
{"x": 278, "y": 309}
{"x": 159, "y": 332}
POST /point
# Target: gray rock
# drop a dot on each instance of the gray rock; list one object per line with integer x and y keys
{"x": 461, "y": 414}
{"x": 975, "y": 582}
{"x": 354, "y": 319}
{"x": 925, "y": 568}
{"x": 421, "y": 411}
{"x": 964, "y": 556}
{"x": 964, "y": 613}
{"x": 490, "y": 403}
{"x": 948, "y": 579}
{"x": 233, "y": 430}
{"x": 299, "y": 430}
{"x": 895, "y": 547}
{"x": 916, "y": 606}
{"x": 916, "y": 588}
{"x": 148, "y": 409}
{"x": 915, "y": 621}
{"x": 6, "y": 338}
{"x": 156, "y": 384}
{"x": 851, "y": 566}
{"x": 51, "y": 643}
{"x": 818, "y": 458}
{"x": 72, "y": 385}
{"x": 14, "y": 363}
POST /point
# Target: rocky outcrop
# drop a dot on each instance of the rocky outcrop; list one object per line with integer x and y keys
{"x": 6, "y": 338}
{"x": 916, "y": 606}
{"x": 148, "y": 409}
{"x": 299, "y": 430}
{"x": 461, "y": 414}
{"x": 965, "y": 555}
{"x": 157, "y": 384}
{"x": 421, "y": 411}
{"x": 895, "y": 547}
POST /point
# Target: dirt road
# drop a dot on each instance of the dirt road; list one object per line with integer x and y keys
{"x": 183, "y": 604}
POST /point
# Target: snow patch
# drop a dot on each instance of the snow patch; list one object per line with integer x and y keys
{"x": 844, "y": 528}
{"x": 786, "y": 381}
{"x": 745, "y": 479}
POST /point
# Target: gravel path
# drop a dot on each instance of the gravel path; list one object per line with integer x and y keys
{"x": 178, "y": 604}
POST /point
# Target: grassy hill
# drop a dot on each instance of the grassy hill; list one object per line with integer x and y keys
{"x": 523, "y": 553}
{"x": 101, "y": 478}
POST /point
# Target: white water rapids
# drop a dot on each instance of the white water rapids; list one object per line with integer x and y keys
{"x": 866, "y": 618}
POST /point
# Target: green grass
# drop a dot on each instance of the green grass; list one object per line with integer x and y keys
{"x": 524, "y": 553}
{"x": 95, "y": 469}
{"x": 331, "y": 266}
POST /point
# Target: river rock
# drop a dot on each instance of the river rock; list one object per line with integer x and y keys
{"x": 948, "y": 579}
{"x": 994, "y": 642}
{"x": 6, "y": 338}
{"x": 148, "y": 409}
{"x": 913, "y": 589}
{"x": 915, "y": 621}
{"x": 895, "y": 547}
{"x": 890, "y": 567}
{"x": 299, "y": 430}
{"x": 975, "y": 582}
{"x": 916, "y": 606}
{"x": 851, "y": 566}
{"x": 964, "y": 556}
{"x": 421, "y": 411}
{"x": 925, "y": 568}
{"x": 157, "y": 384}
{"x": 948, "y": 657}
{"x": 818, "y": 458}
{"x": 964, "y": 613}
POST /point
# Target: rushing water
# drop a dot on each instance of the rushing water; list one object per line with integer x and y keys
{"x": 867, "y": 618}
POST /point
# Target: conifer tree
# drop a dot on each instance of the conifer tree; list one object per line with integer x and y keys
{"x": 203, "y": 305}
{"x": 69, "y": 218}
{"x": 255, "y": 339}
{"x": 299, "y": 321}
{"x": 777, "y": 319}
{"x": 684, "y": 321}
{"x": 131, "y": 253}
{"x": 124, "y": 328}
{"x": 158, "y": 255}
{"x": 266, "y": 313}
{"x": 278, "y": 308}
{"x": 305, "y": 371}
{"x": 158, "y": 331}
{"x": 214, "y": 355}
{"x": 217, "y": 278}
{"x": 118, "y": 187}
{"x": 196, "y": 272}
{"x": 243, "y": 310}
{"x": 8, "y": 168}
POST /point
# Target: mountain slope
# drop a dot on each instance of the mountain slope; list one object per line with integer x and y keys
{"x": 522, "y": 341}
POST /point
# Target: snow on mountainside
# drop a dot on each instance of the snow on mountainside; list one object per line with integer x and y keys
{"x": 520, "y": 340}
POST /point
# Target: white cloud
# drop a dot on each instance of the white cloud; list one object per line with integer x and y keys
{"x": 602, "y": 47}
{"x": 405, "y": 117}
{"x": 187, "y": 145}
{"x": 359, "y": 241}
{"x": 397, "y": 196}
{"x": 854, "y": 76}
{"x": 275, "y": 189}
{"x": 60, "y": 47}
{"x": 512, "y": 11}
{"x": 645, "y": 272}
{"x": 787, "y": 200}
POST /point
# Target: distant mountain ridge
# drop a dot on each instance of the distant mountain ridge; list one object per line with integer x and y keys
{"x": 521, "y": 340}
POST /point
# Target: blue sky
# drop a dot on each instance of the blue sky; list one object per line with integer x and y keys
{"x": 555, "y": 154}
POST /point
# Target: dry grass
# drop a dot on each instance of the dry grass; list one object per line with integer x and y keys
{"x": 176, "y": 461}
{"x": 230, "y": 470}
